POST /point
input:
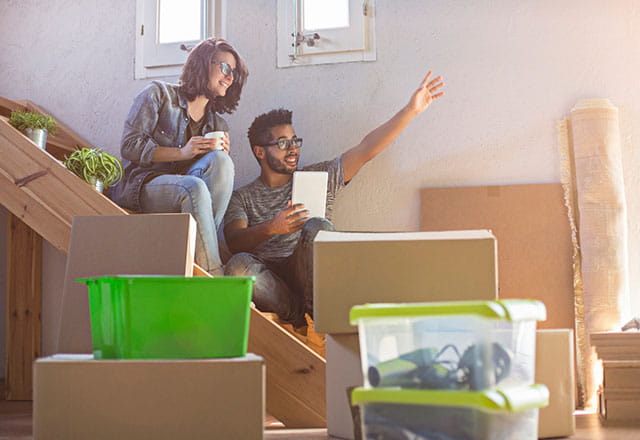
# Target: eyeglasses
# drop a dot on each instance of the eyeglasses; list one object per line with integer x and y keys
{"x": 226, "y": 70}
{"x": 286, "y": 144}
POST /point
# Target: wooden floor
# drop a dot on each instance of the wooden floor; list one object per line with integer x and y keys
{"x": 15, "y": 424}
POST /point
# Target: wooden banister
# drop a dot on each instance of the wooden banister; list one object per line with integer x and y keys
{"x": 60, "y": 144}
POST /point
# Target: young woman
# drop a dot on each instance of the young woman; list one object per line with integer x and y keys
{"x": 169, "y": 165}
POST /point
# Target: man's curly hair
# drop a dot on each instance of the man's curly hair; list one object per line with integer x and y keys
{"x": 259, "y": 132}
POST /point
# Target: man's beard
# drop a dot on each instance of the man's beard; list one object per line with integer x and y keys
{"x": 278, "y": 165}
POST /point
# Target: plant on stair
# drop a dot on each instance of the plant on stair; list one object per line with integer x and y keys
{"x": 34, "y": 125}
{"x": 96, "y": 167}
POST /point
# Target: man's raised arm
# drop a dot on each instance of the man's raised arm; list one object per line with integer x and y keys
{"x": 380, "y": 138}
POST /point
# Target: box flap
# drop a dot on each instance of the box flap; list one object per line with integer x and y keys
{"x": 360, "y": 268}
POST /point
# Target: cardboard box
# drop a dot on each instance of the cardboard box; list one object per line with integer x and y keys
{"x": 353, "y": 268}
{"x": 616, "y": 346}
{"x": 531, "y": 225}
{"x": 555, "y": 368}
{"x": 343, "y": 372}
{"x": 619, "y": 405}
{"x": 76, "y": 397}
{"x": 142, "y": 244}
{"x": 621, "y": 375}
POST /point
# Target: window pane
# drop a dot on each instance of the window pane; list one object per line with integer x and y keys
{"x": 325, "y": 14}
{"x": 179, "y": 20}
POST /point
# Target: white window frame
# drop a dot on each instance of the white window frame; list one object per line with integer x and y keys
{"x": 337, "y": 46}
{"x": 155, "y": 60}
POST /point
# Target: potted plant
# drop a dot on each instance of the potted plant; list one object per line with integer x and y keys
{"x": 34, "y": 125}
{"x": 96, "y": 167}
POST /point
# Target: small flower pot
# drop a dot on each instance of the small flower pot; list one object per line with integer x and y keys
{"x": 38, "y": 136}
{"x": 96, "y": 183}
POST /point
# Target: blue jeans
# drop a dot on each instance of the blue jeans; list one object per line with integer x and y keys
{"x": 284, "y": 285}
{"x": 204, "y": 192}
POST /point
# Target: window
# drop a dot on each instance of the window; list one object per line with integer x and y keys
{"x": 325, "y": 31}
{"x": 167, "y": 29}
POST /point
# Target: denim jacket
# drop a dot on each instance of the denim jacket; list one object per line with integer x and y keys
{"x": 158, "y": 117}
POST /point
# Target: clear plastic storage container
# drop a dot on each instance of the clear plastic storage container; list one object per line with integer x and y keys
{"x": 500, "y": 414}
{"x": 462, "y": 345}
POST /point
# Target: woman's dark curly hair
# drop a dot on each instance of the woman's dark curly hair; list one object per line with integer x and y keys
{"x": 194, "y": 80}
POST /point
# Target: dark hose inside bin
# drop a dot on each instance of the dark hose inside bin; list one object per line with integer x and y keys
{"x": 396, "y": 372}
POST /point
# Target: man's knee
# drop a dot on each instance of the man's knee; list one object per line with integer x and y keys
{"x": 315, "y": 225}
{"x": 242, "y": 265}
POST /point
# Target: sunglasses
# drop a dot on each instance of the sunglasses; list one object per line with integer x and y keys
{"x": 226, "y": 69}
{"x": 286, "y": 144}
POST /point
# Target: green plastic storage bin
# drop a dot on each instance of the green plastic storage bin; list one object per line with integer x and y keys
{"x": 168, "y": 317}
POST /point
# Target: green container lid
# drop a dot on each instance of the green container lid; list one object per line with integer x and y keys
{"x": 512, "y": 399}
{"x": 506, "y": 309}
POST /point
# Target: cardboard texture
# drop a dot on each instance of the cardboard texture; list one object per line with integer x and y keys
{"x": 555, "y": 368}
{"x": 76, "y": 397}
{"x": 619, "y": 405}
{"x": 621, "y": 374}
{"x": 619, "y": 395}
{"x": 353, "y": 268}
{"x": 532, "y": 228}
{"x": 144, "y": 244}
{"x": 616, "y": 346}
{"x": 343, "y": 371}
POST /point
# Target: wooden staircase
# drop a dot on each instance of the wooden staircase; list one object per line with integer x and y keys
{"x": 42, "y": 197}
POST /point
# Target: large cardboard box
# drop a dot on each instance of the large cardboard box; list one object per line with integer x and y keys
{"x": 142, "y": 244}
{"x": 343, "y": 372}
{"x": 353, "y": 268}
{"x": 555, "y": 368}
{"x": 76, "y": 397}
{"x": 531, "y": 225}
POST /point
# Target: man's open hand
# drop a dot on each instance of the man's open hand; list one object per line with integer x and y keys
{"x": 426, "y": 93}
{"x": 290, "y": 219}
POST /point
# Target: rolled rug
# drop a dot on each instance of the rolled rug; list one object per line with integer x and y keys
{"x": 591, "y": 171}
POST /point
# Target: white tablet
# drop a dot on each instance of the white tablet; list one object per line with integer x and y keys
{"x": 310, "y": 188}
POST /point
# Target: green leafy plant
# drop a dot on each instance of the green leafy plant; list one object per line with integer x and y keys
{"x": 90, "y": 164}
{"x": 23, "y": 120}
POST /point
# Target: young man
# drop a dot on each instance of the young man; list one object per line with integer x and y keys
{"x": 273, "y": 239}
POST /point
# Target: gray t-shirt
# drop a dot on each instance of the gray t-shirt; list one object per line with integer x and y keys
{"x": 257, "y": 203}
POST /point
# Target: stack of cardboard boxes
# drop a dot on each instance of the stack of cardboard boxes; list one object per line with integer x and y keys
{"x": 79, "y": 397}
{"x": 619, "y": 395}
{"x": 360, "y": 268}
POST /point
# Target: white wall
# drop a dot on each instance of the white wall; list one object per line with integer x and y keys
{"x": 513, "y": 70}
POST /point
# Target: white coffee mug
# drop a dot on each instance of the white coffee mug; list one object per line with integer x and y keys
{"x": 217, "y": 135}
